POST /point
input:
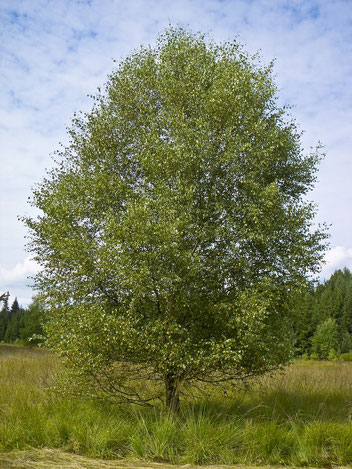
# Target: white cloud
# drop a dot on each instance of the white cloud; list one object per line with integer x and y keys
{"x": 337, "y": 258}
{"x": 16, "y": 280}
{"x": 19, "y": 273}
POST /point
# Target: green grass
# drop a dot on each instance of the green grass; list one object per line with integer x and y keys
{"x": 301, "y": 417}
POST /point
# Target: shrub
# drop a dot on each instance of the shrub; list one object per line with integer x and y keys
{"x": 346, "y": 357}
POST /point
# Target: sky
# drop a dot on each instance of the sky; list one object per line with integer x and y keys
{"x": 55, "y": 53}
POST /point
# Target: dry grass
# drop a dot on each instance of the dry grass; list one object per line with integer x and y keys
{"x": 311, "y": 375}
{"x": 54, "y": 459}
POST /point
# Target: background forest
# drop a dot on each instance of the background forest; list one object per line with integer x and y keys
{"x": 323, "y": 318}
{"x": 21, "y": 325}
{"x": 322, "y": 327}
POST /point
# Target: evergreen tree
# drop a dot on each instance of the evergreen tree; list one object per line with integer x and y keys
{"x": 31, "y": 332}
{"x": 14, "y": 323}
{"x": 304, "y": 326}
{"x": 331, "y": 300}
{"x": 4, "y": 315}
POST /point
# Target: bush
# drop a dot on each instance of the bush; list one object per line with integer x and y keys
{"x": 346, "y": 357}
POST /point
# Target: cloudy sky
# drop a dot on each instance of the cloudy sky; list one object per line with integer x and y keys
{"x": 56, "y": 52}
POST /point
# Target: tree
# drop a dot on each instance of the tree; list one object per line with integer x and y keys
{"x": 14, "y": 323}
{"x": 326, "y": 339}
{"x": 32, "y": 332}
{"x": 175, "y": 227}
{"x": 303, "y": 323}
{"x": 327, "y": 301}
{"x": 4, "y": 314}
{"x": 4, "y": 298}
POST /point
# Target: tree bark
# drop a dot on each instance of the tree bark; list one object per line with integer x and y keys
{"x": 172, "y": 394}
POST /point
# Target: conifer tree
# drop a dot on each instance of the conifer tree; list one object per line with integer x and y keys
{"x": 4, "y": 314}
{"x": 15, "y": 319}
{"x": 32, "y": 332}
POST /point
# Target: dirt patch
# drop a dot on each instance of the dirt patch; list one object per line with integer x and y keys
{"x": 56, "y": 459}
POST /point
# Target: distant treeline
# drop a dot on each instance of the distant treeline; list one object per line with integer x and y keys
{"x": 323, "y": 318}
{"x": 21, "y": 325}
{"x": 322, "y": 325}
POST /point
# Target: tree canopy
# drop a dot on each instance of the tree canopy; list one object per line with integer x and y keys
{"x": 175, "y": 225}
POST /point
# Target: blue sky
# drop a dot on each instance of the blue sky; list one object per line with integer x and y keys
{"x": 55, "y": 53}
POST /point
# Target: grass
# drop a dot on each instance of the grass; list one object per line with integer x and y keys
{"x": 301, "y": 417}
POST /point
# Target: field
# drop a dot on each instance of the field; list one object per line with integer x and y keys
{"x": 301, "y": 417}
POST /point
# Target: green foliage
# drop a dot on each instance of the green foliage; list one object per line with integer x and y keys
{"x": 302, "y": 305}
{"x": 333, "y": 354}
{"x": 345, "y": 357}
{"x": 329, "y": 300}
{"x": 21, "y": 325}
{"x": 4, "y": 315}
{"x": 32, "y": 332}
{"x": 14, "y": 323}
{"x": 345, "y": 342}
{"x": 175, "y": 225}
{"x": 325, "y": 341}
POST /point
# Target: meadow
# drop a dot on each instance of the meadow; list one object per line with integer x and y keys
{"x": 299, "y": 417}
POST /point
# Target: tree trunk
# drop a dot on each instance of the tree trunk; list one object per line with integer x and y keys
{"x": 172, "y": 394}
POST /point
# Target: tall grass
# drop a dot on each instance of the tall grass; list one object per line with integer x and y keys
{"x": 299, "y": 417}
